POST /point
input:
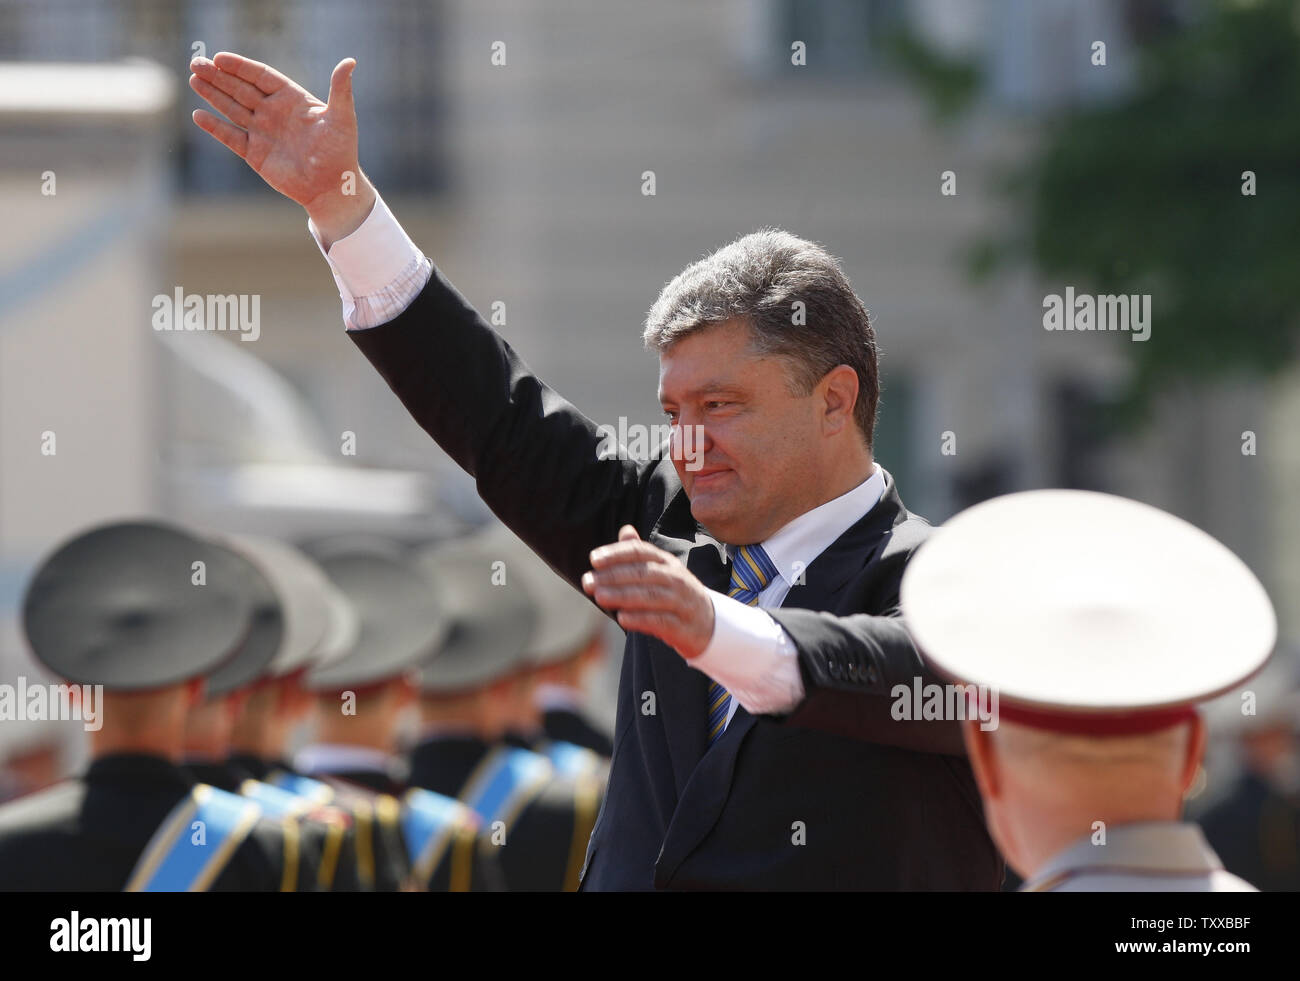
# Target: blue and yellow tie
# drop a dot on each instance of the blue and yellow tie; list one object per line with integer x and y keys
{"x": 751, "y": 571}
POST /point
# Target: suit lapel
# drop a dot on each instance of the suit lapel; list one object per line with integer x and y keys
{"x": 828, "y": 574}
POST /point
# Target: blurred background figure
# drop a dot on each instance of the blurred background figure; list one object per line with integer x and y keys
{"x": 568, "y": 645}
{"x": 278, "y": 705}
{"x": 136, "y": 616}
{"x": 288, "y": 620}
{"x": 539, "y": 819}
{"x": 360, "y": 701}
{"x": 1255, "y": 823}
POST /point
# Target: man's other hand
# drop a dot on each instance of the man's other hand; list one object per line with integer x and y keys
{"x": 304, "y": 148}
{"x": 652, "y": 593}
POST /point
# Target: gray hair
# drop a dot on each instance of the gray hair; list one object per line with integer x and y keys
{"x": 760, "y": 278}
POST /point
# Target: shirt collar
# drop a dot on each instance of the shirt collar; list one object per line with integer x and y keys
{"x": 1143, "y": 846}
{"x": 552, "y": 697}
{"x": 332, "y": 757}
{"x": 798, "y": 542}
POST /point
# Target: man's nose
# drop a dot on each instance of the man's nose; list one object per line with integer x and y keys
{"x": 690, "y": 441}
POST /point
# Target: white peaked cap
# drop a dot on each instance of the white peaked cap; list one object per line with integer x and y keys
{"x": 1086, "y": 604}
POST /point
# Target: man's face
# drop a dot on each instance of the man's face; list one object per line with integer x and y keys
{"x": 755, "y": 456}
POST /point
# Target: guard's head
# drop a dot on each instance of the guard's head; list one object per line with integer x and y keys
{"x": 478, "y": 674}
{"x": 314, "y": 623}
{"x": 568, "y": 638}
{"x": 362, "y": 696}
{"x": 146, "y": 610}
{"x": 1093, "y": 621}
{"x": 767, "y": 373}
{"x": 1042, "y": 785}
{"x": 209, "y": 726}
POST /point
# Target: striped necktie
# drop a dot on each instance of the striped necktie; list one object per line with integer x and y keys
{"x": 751, "y": 571}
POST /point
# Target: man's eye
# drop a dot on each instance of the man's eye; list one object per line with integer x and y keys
{"x": 672, "y": 416}
{"x": 715, "y": 404}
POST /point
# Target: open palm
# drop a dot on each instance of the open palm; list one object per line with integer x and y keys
{"x": 304, "y": 148}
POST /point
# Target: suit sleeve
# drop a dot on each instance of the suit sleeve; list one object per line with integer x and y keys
{"x": 535, "y": 458}
{"x": 852, "y": 669}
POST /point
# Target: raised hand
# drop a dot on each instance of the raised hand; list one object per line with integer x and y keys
{"x": 304, "y": 148}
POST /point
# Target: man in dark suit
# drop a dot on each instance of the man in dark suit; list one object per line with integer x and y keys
{"x": 753, "y": 748}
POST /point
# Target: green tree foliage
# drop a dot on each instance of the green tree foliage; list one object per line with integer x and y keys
{"x": 1145, "y": 195}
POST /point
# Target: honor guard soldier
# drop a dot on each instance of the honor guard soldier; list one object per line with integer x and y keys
{"x": 568, "y": 640}
{"x": 322, "y": 628}
{"x": 539, "y": 820}
{"x": 277, "y": 634}
{"x": 360, "y": 700}
{"x": 146, "y": 611}
{"x": 278, "y": 703}
{"x": 1097, "y": 623}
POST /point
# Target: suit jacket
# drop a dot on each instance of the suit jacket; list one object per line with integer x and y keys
{"x": 568, "y": 726}
{"x": 86, "y": 834}
{"x": 835, "y": 795}
{"x": 544, "y": 845}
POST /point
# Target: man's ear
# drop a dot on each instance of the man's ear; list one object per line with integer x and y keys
{"x": 983, "y": 758}
{"x": 1195, "y": 752}
{"x": 839, "y": 392}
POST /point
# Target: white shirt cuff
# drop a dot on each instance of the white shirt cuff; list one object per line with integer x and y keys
{"x": 377, "y": 268}
{"x": 752, "y": 656}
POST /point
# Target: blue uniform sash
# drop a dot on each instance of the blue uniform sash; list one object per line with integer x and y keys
{"x": 429, "y": 824}
{"x": 315, "y": 791}
{"x": 304, "y": 796}
{"x": 505, "y": 781}
{"x": 172, "y": 862}
{"x": 275, "y": 801}
{"x": 572, "y": 760}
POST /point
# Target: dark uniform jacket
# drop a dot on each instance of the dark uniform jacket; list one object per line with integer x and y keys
{"x": 545, "y": 843}
{"x": 568, "y": 726}
{"x": 836, "y": 795}
{"x": 327, "y": 840}
{"x": 467, "y": 866}
{"x": 87, "y": 834}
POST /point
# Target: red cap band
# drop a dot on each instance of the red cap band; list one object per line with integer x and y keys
{"x": 1097, "y": 724}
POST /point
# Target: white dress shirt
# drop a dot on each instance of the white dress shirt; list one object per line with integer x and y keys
{"x": 380, "y": 271}
{"x": 750, "y": 654}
